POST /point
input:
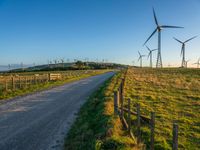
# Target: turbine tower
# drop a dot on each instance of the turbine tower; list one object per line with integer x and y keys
{"x": 9, "y": 66}
{"x": 133, "y": 63}
{"x": 183, "y": 63}
{"x": 140, "y": 59}
{"x": 186, "y": 63}
{"x": 150, "y": 55}
{"x": 62, "y": 62}
{"x": 159, "y": 29}
{"x": 197, "y": 63}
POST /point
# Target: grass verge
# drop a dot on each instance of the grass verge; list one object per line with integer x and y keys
{"x": 173, "y": 94}
{"x": 96, "y": 128}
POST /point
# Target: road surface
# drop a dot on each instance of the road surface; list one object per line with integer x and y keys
{"x": 40, "y": 121}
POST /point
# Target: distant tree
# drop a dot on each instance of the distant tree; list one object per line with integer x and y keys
{"x": 80, "y": 64}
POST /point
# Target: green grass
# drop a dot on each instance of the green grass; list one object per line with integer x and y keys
{"x": 95, "y": 127}
{"x": 38, "y": 87}
{"x": 174, "y": 95}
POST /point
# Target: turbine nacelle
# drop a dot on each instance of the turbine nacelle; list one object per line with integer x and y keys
{"x": 150, "y": 51}
{"x": 183, "y": 43}
{"x": 186, "y": 40}
{"x": 198, "y": 62}
{"x": 140, "y": 56}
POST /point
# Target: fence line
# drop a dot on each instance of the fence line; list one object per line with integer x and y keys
{"x": 23, "y": 81}
{"x": 119, "y": 109}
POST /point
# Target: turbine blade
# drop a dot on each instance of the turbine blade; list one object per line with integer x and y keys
{"x": 139, "y": 58}
{"x": 155, "y": 18}
{"x": 148, "y": 55}
{"x": 154, "y": 50}
{"x": 182, "y": 50}
{"x": 166, "y": 26}
{"x": 190, "y": 39}
{"x": 139, "y": 53}
{"x": 150, "y": 36}
{"x": 178, "y": 40}
{"x": 148, "y": 48}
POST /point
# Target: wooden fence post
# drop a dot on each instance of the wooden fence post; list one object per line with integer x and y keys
{"x": 122, "y": 107}
{"x": 138, "y": 123}
{"x": 35, "y": 80}
{"x": 6, "y": 85}
{"x": 20, "y": 83}
{"x": 28, "y": 81}
{"x": 13, "y": 83}
{"x": 122, "y": 98}
{"x": 47, "y": 78}
{"x": 152, "y": 130}
{"x": 25, "y": 82}
{"x": 175, "y": 137}
{"x": 129, "y": 116}
{"x": 116, "y": 102}
{"x": 121, "y": 90}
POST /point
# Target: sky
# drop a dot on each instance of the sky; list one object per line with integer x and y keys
{"x": 35, "y": 31}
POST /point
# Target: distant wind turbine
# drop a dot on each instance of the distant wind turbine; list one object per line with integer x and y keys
{"x": 159, "y": 29}
{"x": 55, "y": 62}
{"x": 133, "y": 63}
{"x": 22, "y": 66}
{"x": 48, "y": 62}
{"x": 150, "y": 55}
{"x": 140, "y": 58}
{"x": 186, "y": 63}
{"x": 62, "y": 61}
{"x": 183, "y": 64}
{"x": 9, "y": 66}
{"x": 169, "y": 65}
{"x": 197, "y": 63}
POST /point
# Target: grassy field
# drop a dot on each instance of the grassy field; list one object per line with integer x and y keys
{"x": 68, "y": 76}
{"x": 174, "y": 95}
{"x": 95, "y": 127}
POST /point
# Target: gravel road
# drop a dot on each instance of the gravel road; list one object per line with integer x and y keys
{"x": 40, "y": 121}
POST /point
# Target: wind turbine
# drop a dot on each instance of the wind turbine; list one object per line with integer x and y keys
{"x": 198, "y": 63}
{"x": 159, "y": 29}
{"x": 150, "y": 55}
{"x": 62, "y": 61}
{"x": 183, "y": 64}
{"x": 140, "y": 58}
{"x": 133, "y": 63}
{"x": 9, "y": 66}
{"x": 55, "y": 63}
{"x": 186, "y": 63}
{"x": 33, "y": 66}
{"x": 22, "y": 66}
{"x": 169, "y": 65}
{"x": 48, "y": 62}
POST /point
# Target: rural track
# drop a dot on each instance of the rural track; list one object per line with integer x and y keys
{"x": 40, "y": 121}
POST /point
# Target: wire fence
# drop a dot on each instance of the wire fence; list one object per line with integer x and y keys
{"x": 126, "y": 115}
{"x": 23, "y": 81}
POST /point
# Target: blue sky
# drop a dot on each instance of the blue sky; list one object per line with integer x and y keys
{"x": 33, "y": 31}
